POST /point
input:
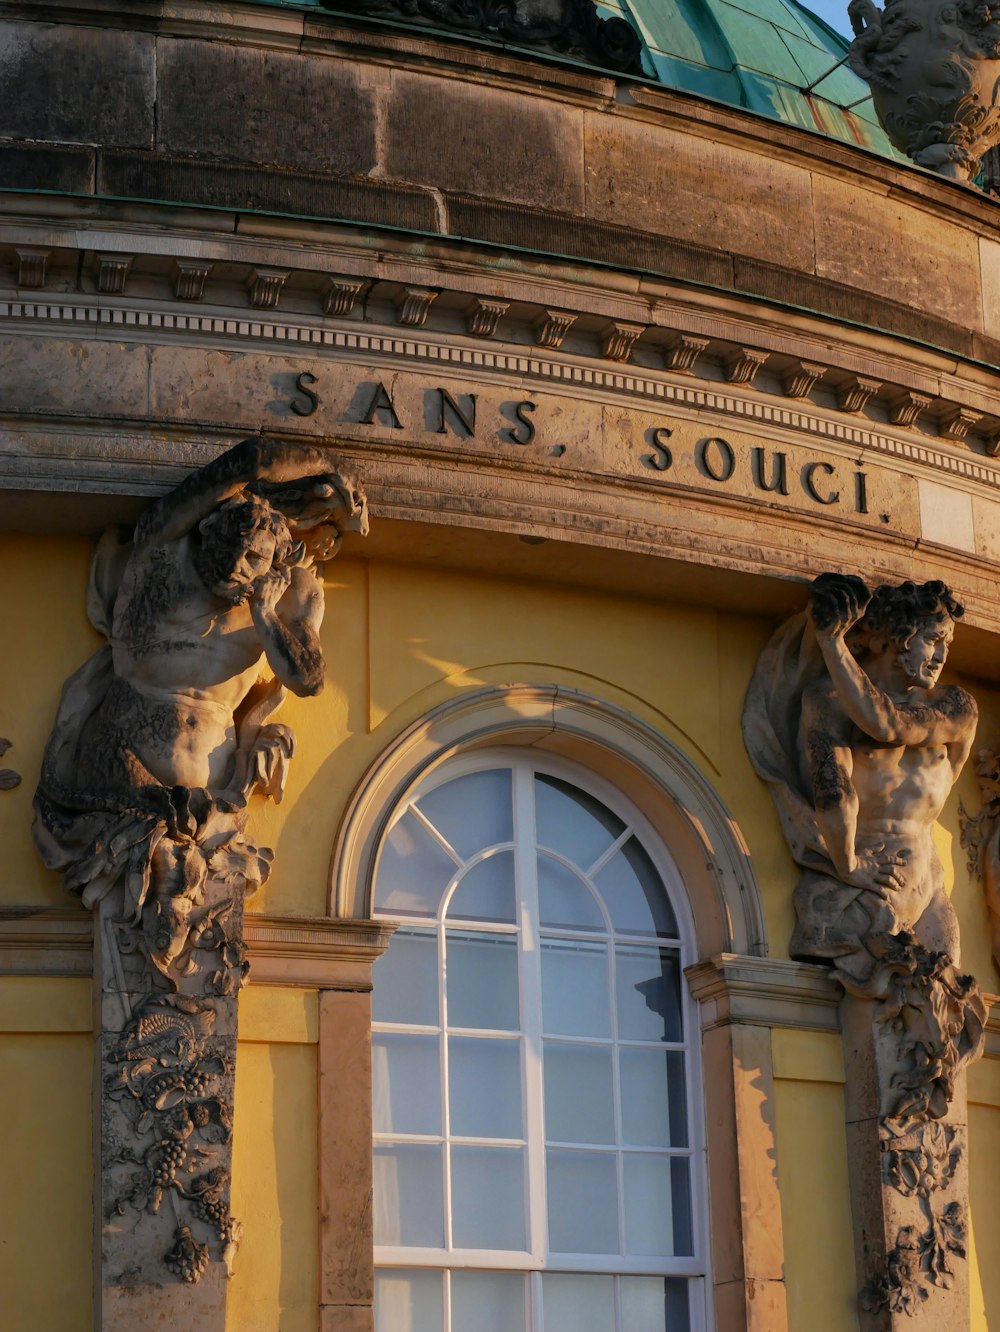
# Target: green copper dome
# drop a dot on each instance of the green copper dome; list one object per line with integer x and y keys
{"x": 770, "y": 56}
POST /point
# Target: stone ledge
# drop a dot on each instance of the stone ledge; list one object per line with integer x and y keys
{"x": 307, "y": 951}
{"x": 764, "y": 992}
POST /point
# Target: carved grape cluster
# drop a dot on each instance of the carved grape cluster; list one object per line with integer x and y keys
{"x": 187, "y": 1259}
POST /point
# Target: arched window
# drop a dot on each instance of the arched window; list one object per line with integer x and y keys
{"x": 537, "y": 1107}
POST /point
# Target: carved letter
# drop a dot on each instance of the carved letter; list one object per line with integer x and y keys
{"x": 466, "y": 421}
{"x": 662, "y": 459}
{"x": 808, "y": 473}
{"x": 381, "y": 402}
{"x": 524, "y": 432}
{"x": 312, "y": 399}
{"x": 779, "y": 472}
{"x": 727, "y": 459}
{"x": 861, "y": 492}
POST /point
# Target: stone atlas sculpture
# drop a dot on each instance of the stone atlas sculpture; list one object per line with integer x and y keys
{"x": 211, "y": 609}
{"x": 933, "y": 67}
{"x": 860, "y": 744}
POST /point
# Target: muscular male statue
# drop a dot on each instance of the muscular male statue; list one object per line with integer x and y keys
{"x": 164, "y": 732}
{"x": 860, "y": 743}
{"x": 883, "y": 743}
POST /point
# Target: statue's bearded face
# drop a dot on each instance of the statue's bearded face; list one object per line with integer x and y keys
{"x": 240, "y": 542}
{"x": 246, "y": 565}
{"x": 923, "y": 657}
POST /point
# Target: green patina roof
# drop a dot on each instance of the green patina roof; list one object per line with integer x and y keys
{"x": 772, "y": 57}
{"x": 758, "y": 54}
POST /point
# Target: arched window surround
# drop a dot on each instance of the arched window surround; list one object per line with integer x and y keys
{"x": 648, "y": 769}
{"x": 713, "y": 860}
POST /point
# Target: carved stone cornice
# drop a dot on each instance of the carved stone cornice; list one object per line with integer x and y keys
{"x": 341, "y": 295}
{"x": 112, "y": 272}
{"x": 413, "y": 305}
{"x": 618, "y": 341}
{"x": 763, "y": 991}
{"x": 682, "y": 354}
{"x": 801, "y": 379}
{"x": 190, "y": 276}
{"x": 264, "y": 287}
{"x": 309, "y": 952}
{"x": 485, "y": 315}
{"x": 32, "y": 266}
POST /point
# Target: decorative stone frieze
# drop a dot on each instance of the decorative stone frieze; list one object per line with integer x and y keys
{"x": 683, "y": 352}
{"x": 855, "y": 392}
{"x": 934, "y": 72}
{"x": 32, "y": 267}
{"x": 190, "y": 276}
{"x": 845, "y": 702}
{"x": 413, "y": 305}
{"x": 161, "y": 741}
{"x": 264, "y": 287}
{"x": 484, "y": 317}
{"x": 112, "y": 272}
{"x": 552, "y": 326}
{"x": 341, "y": 295}
{"x": 906, "y": 406}
{"x": 618, "y": 340}
{"x": 741, "y": 366}
{"x": 801, "y": 379}
{"x": 564, "y": 27}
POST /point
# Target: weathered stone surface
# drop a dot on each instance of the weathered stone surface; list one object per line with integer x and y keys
{"x": 142, "y": 803}
{"x": 75, "y": 375}
{"x": 484, "y": 141}
{"x": 860, "y": 744}
{"x": 48, "y": 75}
{"x": 44, "y": 167}
{"x": 254, "y": 104}
{"x": 694, "y": 189}
{"x": 887, "y": 246}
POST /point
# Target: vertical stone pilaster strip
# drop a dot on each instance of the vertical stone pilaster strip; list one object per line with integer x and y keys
{"x": 747, "y": 1239}
{"x": 345, "y": 1153}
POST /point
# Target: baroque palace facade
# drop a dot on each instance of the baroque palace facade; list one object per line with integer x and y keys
{"x": 487, "y": 386}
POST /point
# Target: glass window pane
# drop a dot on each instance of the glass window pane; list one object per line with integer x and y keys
{"x": 406, "y": 980}
{"x": 487, "y": 1302}
{"x": 655, "y": 1304}
{"x": 575, "y": 988}
{"x": 579, "y": 1093}
{"x": 408, "y": 1301}
{"x": 413, "y": 871}
{"x": 486, "y": 892}
{"x": 572, "y": 822}
{"x": 564, "y": 900}
{"x": 406, "y": 1083}
{"x": 654, "y": 1113}
{"x": 583, "y": 1201}
{"x": 409, "y": 1198}
{"x": 487, "y": 1192}
{"x": 648, "y": 985}
{"x": 481, "y": 981}
{"x": 657, "y": 1206}
{"x": 578, "y": 1303}
{"x": 484, "y": 1087}
{"x": 635, "y": 894}
{"x": 472, "y": 812}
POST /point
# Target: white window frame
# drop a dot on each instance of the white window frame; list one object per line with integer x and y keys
{"x": 535, "y": 1260}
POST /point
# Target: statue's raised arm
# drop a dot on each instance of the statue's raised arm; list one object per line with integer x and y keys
{"x": 244, "y": 466}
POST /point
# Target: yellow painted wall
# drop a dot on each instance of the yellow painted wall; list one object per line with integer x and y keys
{"x": 399, "y": 640}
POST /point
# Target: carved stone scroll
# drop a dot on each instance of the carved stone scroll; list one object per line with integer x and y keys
{"x": 934, "y": 72}
{"x": 211, "y": 609}
{"x": 860, "y": 744}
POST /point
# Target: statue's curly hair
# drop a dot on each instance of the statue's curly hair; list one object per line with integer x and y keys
{"x": 897, "y": 613}
{"x": 225, "y": 531}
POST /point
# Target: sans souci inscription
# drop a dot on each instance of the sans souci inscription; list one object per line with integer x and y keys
{"x": 662, "y": 450}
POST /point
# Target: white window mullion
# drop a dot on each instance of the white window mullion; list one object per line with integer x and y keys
{"x": 526, "y": 871}
{"x": 445, "y": 1100}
